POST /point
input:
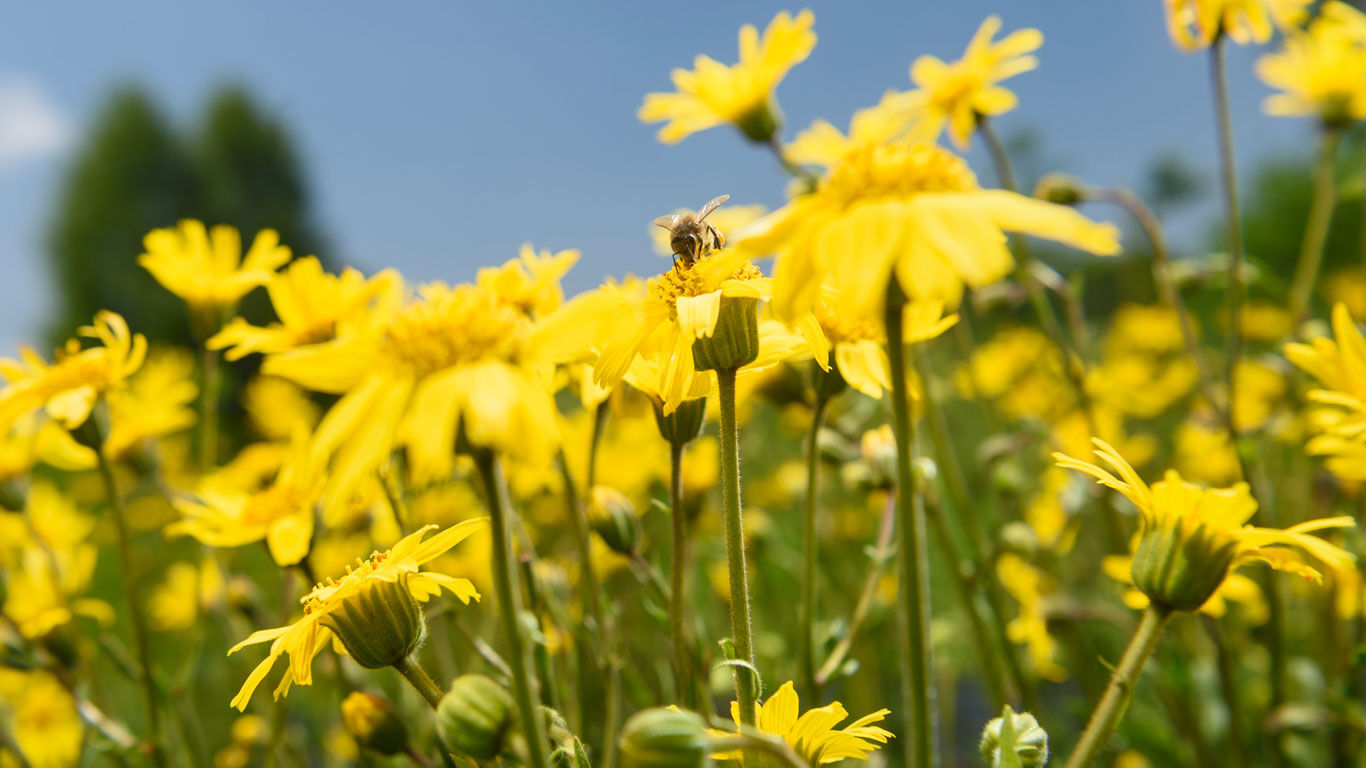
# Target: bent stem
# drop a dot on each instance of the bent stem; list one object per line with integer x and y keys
{"x": 913, "y": 599}
{"x": 136, "y": 612}
{"x": 422, "y": 682}
{"x": 1108, "y": 712}
{"x": 742, "y": 632}
{"x": 506, "y": 584}
{"x": 683, "y": 671}
{"x": 1316, "y": 229}
{"x": 806, "y": 642}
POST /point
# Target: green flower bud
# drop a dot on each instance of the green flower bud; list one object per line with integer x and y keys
{"x": 684, "y": 424}
{"x": 735, "y": 341}
{"x": 1061, "y": 189}
{"x": 1016, "y": 732}
{"x": 1181, "y": 566}
{"x": 381, "y": 625}
{"x": 475, "y": 716}
{"x": 665, "y": 738}
{"x": 760, "y": 124}
{"x": 613, "y": 517}
{"x": 374, "y": 723}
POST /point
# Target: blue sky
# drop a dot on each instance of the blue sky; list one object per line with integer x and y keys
{"x": 440, "y": 137}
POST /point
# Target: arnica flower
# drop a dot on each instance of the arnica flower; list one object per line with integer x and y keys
{"x": 713, "y": 94}
{"x": 1341, "y": 372}
{"x": 962, "y": 93}
{"x": 1195, "y": 24}
{"x": 860, "y": 346}
{"x": 823, "y": 144}
{"x": 453, "y": 362}
{"x": 205, "y": 268}
{"x": 41, "y": 717}
{"x": 531, "y": 281}
{"x": 912, "y": 210}
{"x": 1237, "y": 588}
{"x": 313, "y": 306}
{"x": 812, "y": 734}
{"x": 1321, "y": 71}
{"x": 1192, "y": 538}
{"x": 1030, "y": 628}
{"x": 157, "y": 401}
{"x": 35, "y": 439}
{"x": 68, "y": 388}
{"x": 400, "y": 565}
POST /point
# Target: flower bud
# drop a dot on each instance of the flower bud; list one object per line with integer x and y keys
{"x": 475, "y": 716}
{"x": 374, "y": 723}
{"x": 613, "y": 517}
{"x": 1060, "y": 188}
{"x": 760, "y": 124}
{"x": 381, "y": 625}
{"x": 684, "y": 424}
{"x": 1019, "y": 538}
{"x": 1181, "y": 566}
{"x": 665, "y": 738}
{"x": 735, "y": 340}
{"x": 1016, "y": 732}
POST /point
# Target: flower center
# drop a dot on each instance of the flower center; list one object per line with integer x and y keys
{"x": 872, "y": 171}
{"x": 270, "y": 505}
{"x": 453, "y": 326}
{"x": 690, "y": 281}
{"x": 844, "y": 327}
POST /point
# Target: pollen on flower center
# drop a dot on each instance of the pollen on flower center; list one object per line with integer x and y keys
{"x": 449, "y": 327}
{"x": 871, "y": 171}
{"x": 690, "y": 281}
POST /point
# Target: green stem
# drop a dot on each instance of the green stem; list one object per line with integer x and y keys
{"x": 882, "y": 552}
{"x": 422, "y": 682}
{"x": 742, "y": 632}
{"x": 505, "y": 580}
{"x": 678, "y": 603}
{"x": 806, "y": 641}
{"x": 208, "y": 418}
{"x": 1236, "y": 289}
{"x": 1316, "y": 230}
{"x": 768, "y": 745}
{"x": 136, "y": 612}
{"x": 913, "y": 598}
{"x": 1108, "y": 712}
{"x": 1228, "y": 688}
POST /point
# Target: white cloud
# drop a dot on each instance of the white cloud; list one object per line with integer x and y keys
{"x": 31, "y": 125}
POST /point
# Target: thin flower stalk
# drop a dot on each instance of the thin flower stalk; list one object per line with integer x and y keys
{"x": 806, "y": 642}
{"x": 1321, "y": 206}
{"x": 881, "y": 555}
{"x": 1233, "y": 225}
{"x": 742, "y": 631}
{"x": 678, "y": 569}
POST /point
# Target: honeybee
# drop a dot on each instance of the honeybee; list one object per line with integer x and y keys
{"x": 690, "y": 236}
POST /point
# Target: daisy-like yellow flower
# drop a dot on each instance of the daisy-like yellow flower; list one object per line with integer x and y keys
{"x": 41, "y": 715}
{"x": 159, "y": 400}
{"x": 35, "y": 439}
{"x": 860, "y": 346}
{"x": 1340, "y": 418}
{"x": 1030, "y": 628}
{"x": 1321, "y": 71}
{"x": 1237, "y": 588}
{"x": 961, "y": 93}
{"x": 1195, "y": 24}
{"x": 313, "y": 306}
{"x": 823, "y": 144}
{"x": 531, "y": 281}
{"x": 1192, "y": 537}
{"x": 399, "y": 565}
{"x": 812, "y": 734}
{"x": 913, "y": 210}
{"x": 206, "y": 269}
{"x": 713, "y": 94}
{"x": 68, "y": 388}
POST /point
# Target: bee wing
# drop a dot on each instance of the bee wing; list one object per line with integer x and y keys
{"x": 711, "y": 205}
{"x": 667, "y": 222}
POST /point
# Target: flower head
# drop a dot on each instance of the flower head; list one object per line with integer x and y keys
{"x": 961, "y": 93}
{"x": 712, "y": 93}
{"x": 1193, "y": 537}
{"x": 1195, "y": 24}
{"x": 1322, "y": 70}
{"x": 812, "y": 734}
{"x": 157, "y": 401}
{"x": 1340, "y": 412}
{"x": 399, "y": 565}
{"x": 206, "y": 268}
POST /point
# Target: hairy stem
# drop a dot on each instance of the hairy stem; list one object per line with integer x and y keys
{"x": 742, "y": 632}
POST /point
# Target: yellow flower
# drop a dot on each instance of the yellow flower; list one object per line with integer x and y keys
{"x": 34, "y": 439}
{"x": 1203, "y": 452}
{"x": 1027, "y": 585}
{"x": 1341, "y": 372}
{"x": 1022, "y": 370}
{"x": 1347, "y": 286}
{"x": 205, "y": 268}
{"x": 910, "y": 210}
{"x": 1237, "y": 588}
{"x": 306, "y": 637}
{"x": 712, "y": 93}
{"x": 452, "y": 363}
{"x": 860, "y": 345}
{"x": 812, "y": 734}
{"x": 68, "y": 388}
{"x": 1193, "y": 537}
{"x": 1047, "y": 516}
{"x": 41, "y": 716}
{"x": 175, "y": 604}
{"x": 313, "y": 306}
{"x": 822, "y": 144}
{"x": 1321, "y": 71}
{"x": 1195, "y": 24}
{"x": 531, "y": 281}
{"x": 961, "y": 93}
{"x": 276, "y": 408}
{"x": 158, "y": 401}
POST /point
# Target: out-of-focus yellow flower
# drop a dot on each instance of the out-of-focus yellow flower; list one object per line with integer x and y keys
{"x": 1193, "y": 537}
{"x": 205, "y": 268}
{"x": 1131, "y": 758}
{"x": 1264, "y": 321}
{"x": 1322, "y": 70}
{"x": 961, "y": 93}
{"x": 713, "y": 94}
{"x": 68, "y": 388}
{"x": 1195, "y": 24}
{"x": 1027, "y": 585}
{"x": 187, "y": 590}
{"x": 34, "y": 439}
{"x": 1340, "y": 368}
{"x": 860, "y": 345}
{"x": 910, "y": 211}
{"x": 1204, "y": 454}
{"x": 42, "y": 718}
{"x": 1046, "y": 514}
{"x": 1347, "y": 286}
{"x": 306, "y": 637}
{"x": 812, "y": 734}
{"x": 1258, "y": 391}
{"x": 277, "y": 408}
{"x": 1144, "y": 369}
{"x": 822, "y": 144}
{"x": 1022, "y": 371}
{"x": 313, "y": 306}
{"x": 531, "y": 281}
{"x": 158, "y": 401}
